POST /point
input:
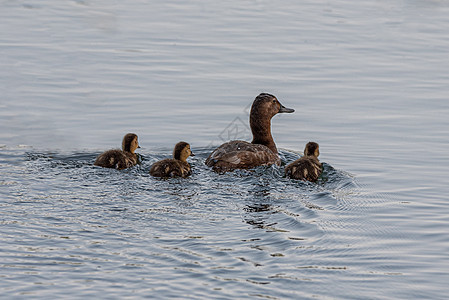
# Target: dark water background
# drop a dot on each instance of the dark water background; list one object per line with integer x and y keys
{"x": 368, "y": 81}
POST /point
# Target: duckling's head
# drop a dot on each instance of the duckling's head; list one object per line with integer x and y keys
{"x": 312, "y": 149}
{"x": 267, "y": 106}
{"x": 130, "y": 142}
{"x": 182, "y": 151}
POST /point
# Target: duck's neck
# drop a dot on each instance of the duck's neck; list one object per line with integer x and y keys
{"x": 126, "y": 147}
{"x": 129, "y": 152}
{"x": 180, "y": 157}
{"x": 261, "y": 130}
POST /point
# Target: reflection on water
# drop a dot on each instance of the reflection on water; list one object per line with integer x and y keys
{"x": 242, "y": 229}
{"x": 198, "y": 225}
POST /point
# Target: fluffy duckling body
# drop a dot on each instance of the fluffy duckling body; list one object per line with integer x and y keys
{"x": 120, "y": 159}
{"x": 307, "y": 167}
{"x": 262, "y": 150}
{"x": 176, "y": 166}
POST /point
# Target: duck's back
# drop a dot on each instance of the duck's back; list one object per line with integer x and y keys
{"x": 170, "y": 168}
{"x": 306, "y": 168}
{"x": 116, "y": 159}
{"x": 241, "y": 155}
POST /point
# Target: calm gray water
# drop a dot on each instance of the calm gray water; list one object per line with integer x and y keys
{"x": 368, "y": 79}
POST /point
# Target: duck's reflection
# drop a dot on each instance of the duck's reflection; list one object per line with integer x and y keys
{"x": 258, "y": 208}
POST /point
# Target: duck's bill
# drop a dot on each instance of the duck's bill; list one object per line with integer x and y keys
{"x": 191, "y": 154}
{"x": 284, "y": 109}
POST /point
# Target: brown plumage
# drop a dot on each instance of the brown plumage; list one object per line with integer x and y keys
{"x": 307, "y": 167}
{"x": 120, "y": 159}
{"x": 262, "y": 150}
{"x": 176, "y": 166}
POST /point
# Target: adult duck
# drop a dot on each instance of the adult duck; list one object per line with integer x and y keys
{"x": 120, "y": 159}
{"x": 262, "y": 150}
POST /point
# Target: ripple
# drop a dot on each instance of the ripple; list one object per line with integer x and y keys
{"x": 238, "y": 228}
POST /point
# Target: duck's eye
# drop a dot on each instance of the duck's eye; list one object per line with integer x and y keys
{"x": 274, "y": 101}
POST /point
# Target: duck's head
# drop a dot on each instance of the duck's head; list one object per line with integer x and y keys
{"x": 267, "y": 106}
{"x": 312, "y": 148}
{"x": 182, "y": 151}
{"x": 130, "y": 142}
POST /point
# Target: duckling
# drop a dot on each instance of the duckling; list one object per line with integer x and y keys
{"x": 120, "y": 159}
{"x": 262, "y": 150}
{"x": 307, "y": 167}
{"x": 176, "y": 166}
